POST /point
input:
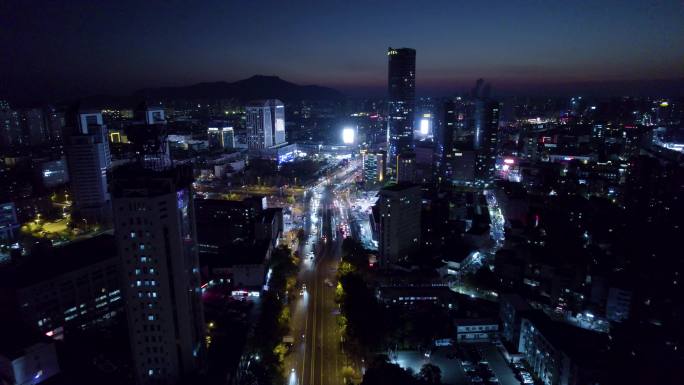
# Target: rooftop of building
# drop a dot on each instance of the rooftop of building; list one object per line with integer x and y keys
{"x": 457, "y": 252}
{"x": 135, "y": 180}
{"x": 398, "y": 187}
{"x": 443, "y": 292}
{"x": 55, "y": 261}
{"x": 264, "y": 102}
{"x": 512, "y": 190}
{"x": 238, "y": 253}
{"x": 255, "y": 201}
{"x": 16, "y": 337}
{"x": 475, "y": 321}
{"x": 581, "y": 345}
{"x": 271, "y": 212}
{"x": 516, "y": 300}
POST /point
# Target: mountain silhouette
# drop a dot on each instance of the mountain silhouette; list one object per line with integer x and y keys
{"x": 255, "y": 87}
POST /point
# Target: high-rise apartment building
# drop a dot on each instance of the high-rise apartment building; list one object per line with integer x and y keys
{"x": 154, "y": 225}
{"x": 406, "y": 167}
{"x": 401, "y": 89}
{"x": 265, "y": 123}
{"x": 33, "y": 126}
{"x": 88, "y": 159}
{"x": 399, "y": 231}
{"x": 10, "y": 128}
{"x": 54, "y": 124}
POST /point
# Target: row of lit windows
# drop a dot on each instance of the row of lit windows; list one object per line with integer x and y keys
{"x": 145, "y": 270}
{"x": 139, "y": 233}
{"x": 479, "y": 328}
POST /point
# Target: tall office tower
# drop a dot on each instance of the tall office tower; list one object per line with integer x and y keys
{"x": 88, "y": 159}
{"x": 486, "y": 126}
{"x": 154, "y": 223}
{"x": 259, "y": 133}
{"x": 33, "y": 126}
{"x": 399, "y": 207}
{"x": 455, "y": 122}
{"x": 265, "y": 123}
{"x": 401, "y": 84}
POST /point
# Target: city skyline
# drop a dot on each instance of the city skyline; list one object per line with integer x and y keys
{"x": 68, "y": 50}
{"x": 335, "y": 193}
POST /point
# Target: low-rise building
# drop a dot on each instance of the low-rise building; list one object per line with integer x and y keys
{"x": 244, "y": 265}
{"x": 25, "y": 358}
{"x": 560, "y": 354}
{"x": 72, "y": 286}
{"x": 9, "y": 225}
{"x": 416, "y": 295}
{"x": 476, "y": 330}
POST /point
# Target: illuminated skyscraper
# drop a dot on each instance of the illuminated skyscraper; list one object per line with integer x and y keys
{"x": 277, "y": 121}
{"x": 373, "y": 166}
{"x": 265, "y": 123}
{"x": 401, "y": 87}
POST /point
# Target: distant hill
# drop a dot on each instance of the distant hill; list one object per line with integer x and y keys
{"x": 256, "y": 87}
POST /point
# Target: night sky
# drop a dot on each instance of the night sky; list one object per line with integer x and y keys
{"x": 57, "y": 49}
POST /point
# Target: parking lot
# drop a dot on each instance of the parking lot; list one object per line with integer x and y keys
{"x": 464, "y": 364}
{"x": 452, "y": 372}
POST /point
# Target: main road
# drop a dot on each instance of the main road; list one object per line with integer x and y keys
{"x": 317, "y": 357}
